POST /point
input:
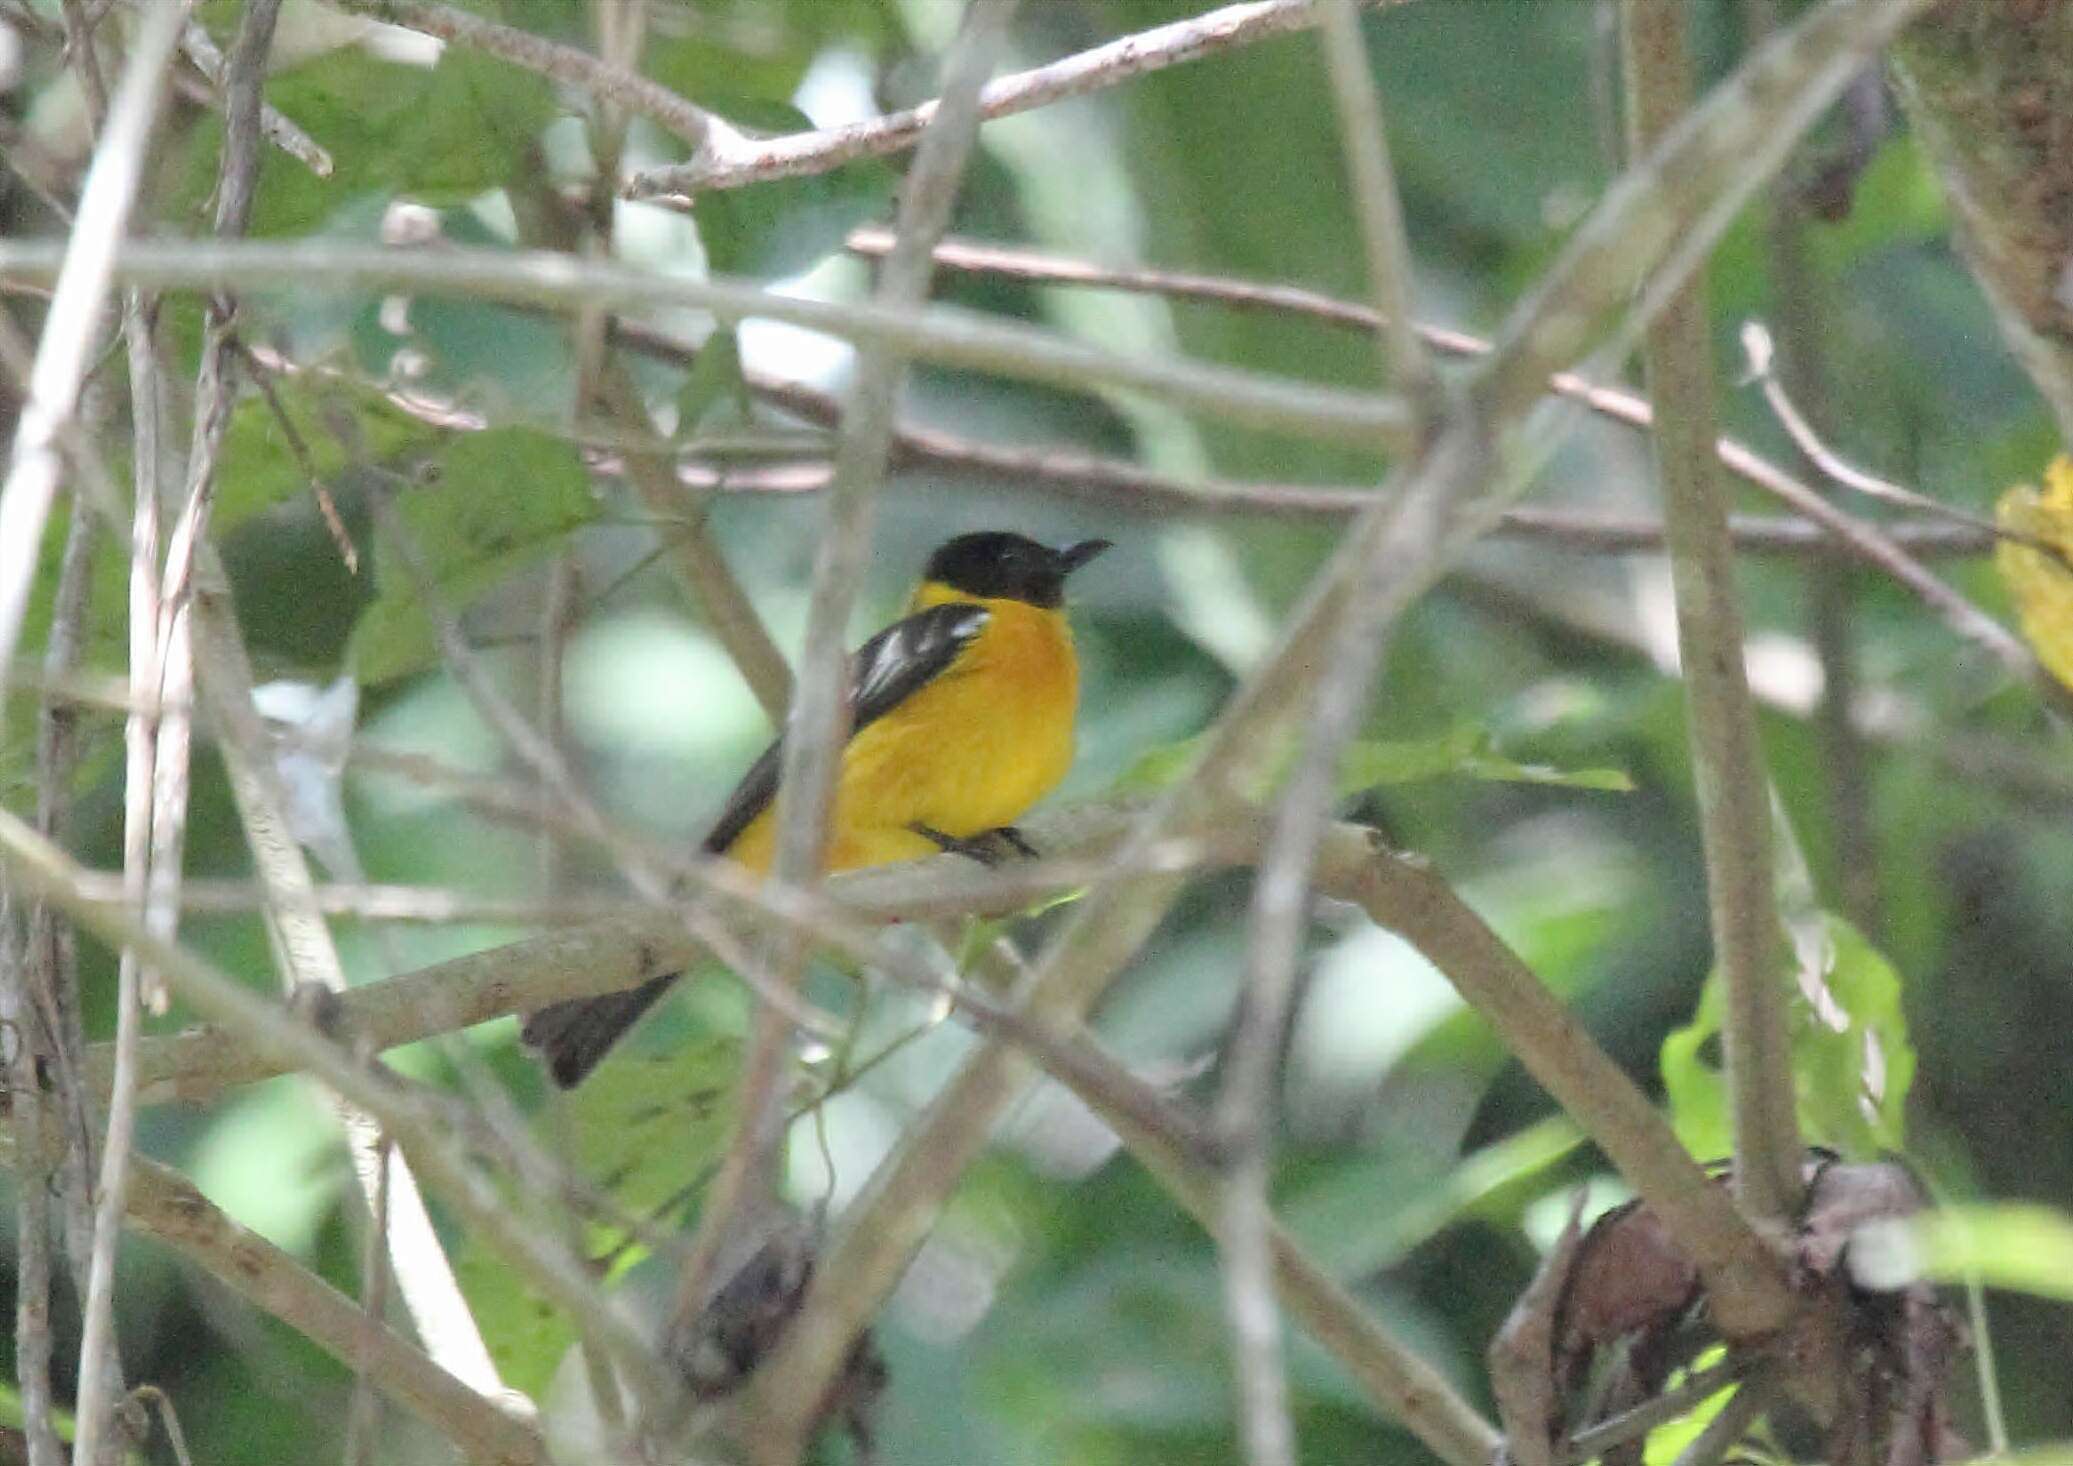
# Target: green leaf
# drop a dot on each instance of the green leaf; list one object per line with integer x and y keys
{"x": 503, "y": 499}
{"x": 714, "y": 385}
{"x": 768, "y": 230}
{"x": 1852, "y": 1061}
{"x": 526, "y": 1336}
{"x": 1854, "y": 1078}
{"x": 1464, "y": 751}
{"x": 648, "y": 1124}
{"x": 643, "y": 1129}
{"x": 440, "y": 134}
{"x": 1693, "y": 1083}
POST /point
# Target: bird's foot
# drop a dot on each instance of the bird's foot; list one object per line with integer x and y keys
{"x": 988, "y": 847}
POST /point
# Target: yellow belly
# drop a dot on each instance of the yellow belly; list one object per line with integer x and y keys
{"x": 970, "y": 752}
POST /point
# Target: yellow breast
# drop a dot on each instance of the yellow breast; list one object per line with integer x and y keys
{"x": 970, "y": 752}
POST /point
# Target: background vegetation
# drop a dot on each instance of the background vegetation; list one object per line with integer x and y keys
{"x": 1528, "y": 738}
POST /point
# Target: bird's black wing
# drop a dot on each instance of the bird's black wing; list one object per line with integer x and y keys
{"x": 572, "y": 1036}
{"x": 887, "y": 670}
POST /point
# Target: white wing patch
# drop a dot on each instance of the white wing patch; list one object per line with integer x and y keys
{"x": 911, "y": 652}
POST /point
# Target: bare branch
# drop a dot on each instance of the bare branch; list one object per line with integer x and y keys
{"x": 1102, "y": 66}
{"x": 615, "y": 953}
{"x": 165, "y": 1205}
{"x": 305, "y": 953}
{"x": 1381, "y": 212}
{"x": 42, "y": 1004}
{"x": 1402, "y": 894}
{"x": 1419, "y": 1396}
{"x": 1727, "y": 760}
{"x": 940, "y": 334}
{"x": 201, "y": 49}
{"x": 1025, "y": 264}
{"x": 70, "y": 330}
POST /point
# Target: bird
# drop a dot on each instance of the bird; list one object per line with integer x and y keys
{"x": 961, "y": 718}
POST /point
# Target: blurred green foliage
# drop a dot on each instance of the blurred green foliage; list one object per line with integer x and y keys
{"x": 1523, "y": 741}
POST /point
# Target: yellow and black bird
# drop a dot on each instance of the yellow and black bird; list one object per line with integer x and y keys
{"x": 961, "y": 718}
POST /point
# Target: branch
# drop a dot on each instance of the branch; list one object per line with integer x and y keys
{"x": 42, "y": 1004}
{"x": 166, "y": 1206}
{"x": 199, "y": 1064}
{"x": 70, "y": 333}
{"x": 1366, "y": 148}
{"x": 940, "y": 334}
{"x": 1404, "y": 895}
{"x": 201, "y": 49}
{"x": 1959, "y": 614}
{"x": 306, "y": 954}
{"x": 755, "y": 160}
{"x": 1733, "y": 785}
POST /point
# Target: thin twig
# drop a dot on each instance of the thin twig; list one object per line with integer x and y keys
{"x": 1761, "y": 353}
{"x": 171, "y": 653}
{"x": 1727, "y": 758}
{"x": 201, "y": 49}
{"x": 70, "y": 335}
{"x": 166, "y": 1206}
{"x": 938, "y": 334}
{"x": 148, "y": 471}
{"x": 1801, "y": 310}
{"x": 1106, "y": 474}
{"x": 1419, "y": 1396}
{"x": 1208, "y": 34}
{"x": 29, "y": 1114}
{"x": 41, "y": 1005}
{"x": 1725, "y": 1430}
{"x": 306, "y": 953}
{"x": 1365, "y": 146}
{"x": 71, "y": 332}
{"x": 1631, "y": 1425}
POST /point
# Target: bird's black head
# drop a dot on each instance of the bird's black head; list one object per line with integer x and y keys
{"x": 998, "y": 565}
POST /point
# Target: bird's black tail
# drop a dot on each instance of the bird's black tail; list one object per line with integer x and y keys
{"x": 573, "y": 1036}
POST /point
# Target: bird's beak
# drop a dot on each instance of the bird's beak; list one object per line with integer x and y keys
{"x": 1072, "y": 557}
